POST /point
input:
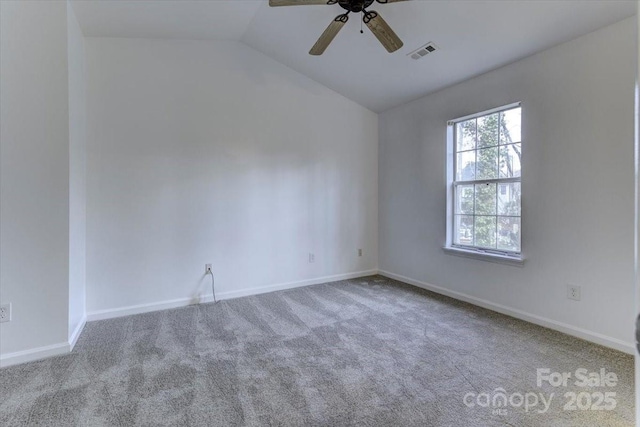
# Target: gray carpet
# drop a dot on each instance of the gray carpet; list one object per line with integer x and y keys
{"x": 368, "y": 352}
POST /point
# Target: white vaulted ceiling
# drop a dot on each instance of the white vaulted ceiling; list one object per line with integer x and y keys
{"x": 166, "y": 19}
{"x": 472, "y": 36}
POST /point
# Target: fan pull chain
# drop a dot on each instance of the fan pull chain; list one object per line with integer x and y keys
{"x": 361, "y": 32}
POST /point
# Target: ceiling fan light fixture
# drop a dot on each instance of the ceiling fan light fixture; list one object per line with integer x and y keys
{"x": 372, "y": 19}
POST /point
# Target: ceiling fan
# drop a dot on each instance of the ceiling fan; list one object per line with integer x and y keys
{"x": 371, "y": 18}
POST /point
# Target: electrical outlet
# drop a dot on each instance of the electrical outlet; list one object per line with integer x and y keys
{"x": 359, "y": 252}
{"x": 5, "y": 313}
{"x": 207, "y": 269}
{"x": 312, "y": 258}
{"x": 573, "y": 292}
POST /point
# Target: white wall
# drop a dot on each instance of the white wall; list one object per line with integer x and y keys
{"x": 204, "y": 152}
{"x": 77, "y": 175}
{"x": 34, "y": 175}
{"x": 577, "y": 103}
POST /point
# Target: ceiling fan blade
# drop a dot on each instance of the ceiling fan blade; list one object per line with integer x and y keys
{"x": 390, "y": 1}
{"x": 274, "y": 3}
{"x": 382, "y": 31}
{"x": 329, "y": 34}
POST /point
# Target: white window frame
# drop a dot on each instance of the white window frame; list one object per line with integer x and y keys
{"x": 495, "y": 255}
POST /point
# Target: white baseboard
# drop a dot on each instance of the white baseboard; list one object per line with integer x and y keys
{"x": 34, "y": 354}
{"x": 617, "y": 344}
{"x": 298, "y": 284}
{"x": 183, "y": 302}
{"x": 73, "y": 339}
{"x": 31, "y": 355}
{"x": 144, "y": 308}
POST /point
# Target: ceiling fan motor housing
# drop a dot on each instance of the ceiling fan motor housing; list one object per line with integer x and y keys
{"x": 355, "y": 6}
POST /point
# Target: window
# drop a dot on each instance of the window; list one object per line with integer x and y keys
{"x": 485, "y": 155}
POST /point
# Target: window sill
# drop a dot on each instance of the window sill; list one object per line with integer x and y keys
{"x": 500, "y": 259}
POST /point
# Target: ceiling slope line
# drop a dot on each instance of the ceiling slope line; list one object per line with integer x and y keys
{"x": 306, "y": 76}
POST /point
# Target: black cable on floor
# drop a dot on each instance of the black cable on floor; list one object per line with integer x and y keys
{"x": 213, "y": 286}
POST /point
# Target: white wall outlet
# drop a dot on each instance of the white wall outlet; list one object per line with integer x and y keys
{"x": 5, "y": 313}
{"x": 574, "y": 292}
{"x": 312, "y": 258}
{"x": 359, "y": 252}
{"x": 207, "y": 269}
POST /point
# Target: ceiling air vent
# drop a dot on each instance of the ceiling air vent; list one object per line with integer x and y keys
{"x": 423, "y": 51}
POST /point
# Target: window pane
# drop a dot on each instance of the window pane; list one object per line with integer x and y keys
{"x": 487, "y": 167}
{"x": 466, "y": 135}
{"x": 488, "y": 152}
{"x": 486, "y": 199}
{"x": 464, "y": 199}
{"x": 485, "y": 231}
{"x": 463, "y": 233}
{"x": 488, "y": 130}
{"x": 509, "y": 234}
{"x": 466, "y": 166}
{"x": 510, "y": 129}
{"x": 510, "y": 160}
{"x": 509, "y": 199}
